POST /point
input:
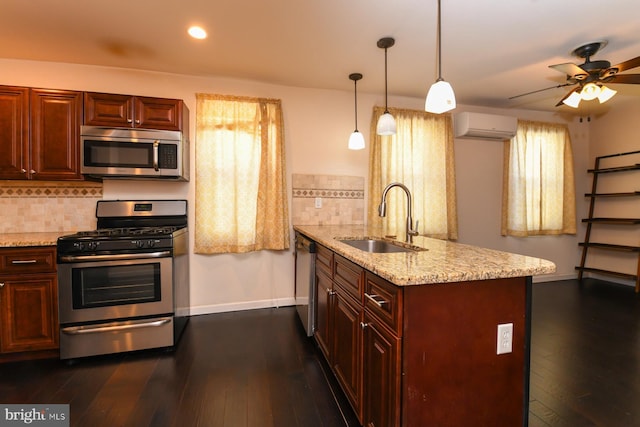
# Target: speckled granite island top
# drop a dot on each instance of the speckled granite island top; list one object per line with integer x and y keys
{"x": 14, "y": 240}
{"x": 439, "y": 261}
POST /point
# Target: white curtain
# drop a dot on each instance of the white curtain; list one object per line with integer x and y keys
{"x": 241, "y": 201}
{"x": 538, "y": 184}
{"x": 421, "y": 157}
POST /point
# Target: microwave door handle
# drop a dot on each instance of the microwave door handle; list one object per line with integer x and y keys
{"x": 156, "y": 144}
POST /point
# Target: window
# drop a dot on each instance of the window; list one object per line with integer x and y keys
{"x": 241, "y": 202}
{"x": 420, "y": 156}
{"x": 538, "y": 190}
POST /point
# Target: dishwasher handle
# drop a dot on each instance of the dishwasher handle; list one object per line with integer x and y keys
{"x": 303, "y": 244}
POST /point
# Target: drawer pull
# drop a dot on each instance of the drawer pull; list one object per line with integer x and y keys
{"x": 373, "y": 299}
{"x": 24, "y": 261}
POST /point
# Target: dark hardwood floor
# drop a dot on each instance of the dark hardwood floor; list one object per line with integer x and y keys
{"x": 256, "y": 368}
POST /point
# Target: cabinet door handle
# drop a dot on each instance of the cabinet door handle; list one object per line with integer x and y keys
{"x": 129, "y": 121}
{"x": 373, "y": 299}
{"x": 1, "y": 284}
{"x": 33, "y": 172}
{"x": 24, "y": 261}
{"x": 330, "y": 291}
{"x": 363, "y": 325}
{"x": 23, "y": 170}
{"x": 138, "y": 122}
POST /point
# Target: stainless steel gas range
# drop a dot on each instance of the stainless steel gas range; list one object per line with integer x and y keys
{"x": 125, "y": 285}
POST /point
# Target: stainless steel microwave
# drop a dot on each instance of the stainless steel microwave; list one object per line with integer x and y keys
{"x": 134, "y": 153}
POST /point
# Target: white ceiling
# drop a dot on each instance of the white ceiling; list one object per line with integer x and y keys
{"x": 492, "y": 49}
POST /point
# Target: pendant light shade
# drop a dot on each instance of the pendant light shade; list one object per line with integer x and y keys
{"x": 440, "y": 97}
{"x": 386, "y": 123}
{"x": 356, "y": 140}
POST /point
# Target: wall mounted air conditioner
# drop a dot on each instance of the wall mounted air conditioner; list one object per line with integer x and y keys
{"x": 484, "y": 126}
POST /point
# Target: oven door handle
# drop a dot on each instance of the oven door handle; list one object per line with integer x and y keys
{"x": 113, "y": 257}
{"x": 78, "y": 330}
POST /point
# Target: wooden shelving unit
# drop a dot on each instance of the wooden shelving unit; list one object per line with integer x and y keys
{"x": 593, "y": 221}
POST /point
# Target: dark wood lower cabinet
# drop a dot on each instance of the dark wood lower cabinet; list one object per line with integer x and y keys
{"x": 381, "y": 375}
{"x": 324, "y": 313}
{"x": 347, "y": 347}
{"x": 28, "y": 303}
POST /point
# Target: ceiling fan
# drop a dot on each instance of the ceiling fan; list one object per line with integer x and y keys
{"x": 590, "y": 76}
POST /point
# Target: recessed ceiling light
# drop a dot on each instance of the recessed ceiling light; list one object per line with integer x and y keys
{"x": 197, "y": 32}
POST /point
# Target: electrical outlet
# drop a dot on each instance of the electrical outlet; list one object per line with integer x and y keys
{"x": 505, "y": 338}
{"x": 318, "y": 202}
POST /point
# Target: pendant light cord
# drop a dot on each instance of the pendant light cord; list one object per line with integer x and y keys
{"x": 439, "y": 45}
{"x": 355, "y": 96}
{"x": 386, "y": 109}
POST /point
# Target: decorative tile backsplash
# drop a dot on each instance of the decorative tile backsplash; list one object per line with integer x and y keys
{"x": 341, "y": 200}
{"x": 37, "y": 206}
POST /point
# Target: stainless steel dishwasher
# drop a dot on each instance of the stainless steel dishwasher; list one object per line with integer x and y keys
{"x": 305, "y": 282}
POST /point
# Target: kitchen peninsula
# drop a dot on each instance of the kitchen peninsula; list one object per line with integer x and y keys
{"x": 412, "y": 337}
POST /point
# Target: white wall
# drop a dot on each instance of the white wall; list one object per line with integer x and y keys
{"x": 317, "y": 127}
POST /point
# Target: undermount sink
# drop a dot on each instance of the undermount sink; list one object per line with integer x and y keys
{"x": 377, "y": 246}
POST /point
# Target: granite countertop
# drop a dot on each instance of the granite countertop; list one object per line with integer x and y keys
{"x": 442, "y": 261}
{"x": 14, "y": 240}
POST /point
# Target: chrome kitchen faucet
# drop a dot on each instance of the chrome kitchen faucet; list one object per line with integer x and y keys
{"x": 382, "y": 210}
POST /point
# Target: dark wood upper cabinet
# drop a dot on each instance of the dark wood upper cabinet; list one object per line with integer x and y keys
{"x": 14, "y": 132}
{"x": 106, "y": 109}
{"x": 56, "y": 116}
{"x": 40, "y": 133}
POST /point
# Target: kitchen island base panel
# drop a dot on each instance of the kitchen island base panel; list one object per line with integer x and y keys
{"x": 451, "y": 371}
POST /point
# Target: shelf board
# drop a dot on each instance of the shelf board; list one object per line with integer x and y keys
{"x": 623, "y": 248}
{"x": 616, "y": 169}
{"x": 621, "y": 221}
{"x": 609, "y": 272}
{"x": 625, "y": 194}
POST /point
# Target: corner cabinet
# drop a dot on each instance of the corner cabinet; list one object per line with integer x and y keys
{"x": 28, "y": 303}
{"x": 107, "y": 109}
{"x": 40, "y": 133}
{"x": 424, "y": 355}
{"x": 614, "y": 231}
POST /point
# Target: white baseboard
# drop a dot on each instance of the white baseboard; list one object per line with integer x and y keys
{"x": 239, "y": 306}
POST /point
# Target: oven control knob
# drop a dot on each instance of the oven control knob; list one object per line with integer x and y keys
{"x": 79, "y": 246}
{"x": 140, "y": 243}
{"x": 151, "y": 243}
{"x": 92, "y": 246}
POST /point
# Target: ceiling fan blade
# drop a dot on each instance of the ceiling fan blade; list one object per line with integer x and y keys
{"x": 571, "y": 70}
{"x": 541, "y": 90}
{"x": 567, "y": 95}
{"x": 627, "y": 65}
{"x": 633, "y": 79}
{"x": 623, "y": 66}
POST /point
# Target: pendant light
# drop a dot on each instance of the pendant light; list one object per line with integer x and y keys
{"x": 356, "y": 140}
{"x": 440, "y": 97}
{"x": 386, "y": 122}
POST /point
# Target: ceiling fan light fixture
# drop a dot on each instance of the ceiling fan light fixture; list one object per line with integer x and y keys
{"x": 590, "y": 91}
{"x": 440, "y": 97}
{"x": 606, "y": 94}
{"x": 573, "y": 100}
{"x": 386, "y": 123}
